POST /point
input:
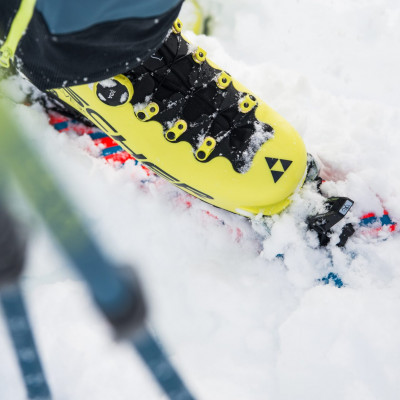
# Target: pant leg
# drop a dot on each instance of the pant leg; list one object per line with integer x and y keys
{"x": 97, "y": 45}
{"x": 67, "y": 16}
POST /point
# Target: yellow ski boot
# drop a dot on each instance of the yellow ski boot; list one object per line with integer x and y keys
{"x": 193, "y": 124}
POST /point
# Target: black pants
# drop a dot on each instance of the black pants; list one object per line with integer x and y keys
{"x": 52, "y": 59}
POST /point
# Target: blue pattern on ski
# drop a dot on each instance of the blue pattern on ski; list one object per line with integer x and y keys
{"x": 111, "y": 150}
{"x": 158, "y": 363}
{"x": 332, "y": 278}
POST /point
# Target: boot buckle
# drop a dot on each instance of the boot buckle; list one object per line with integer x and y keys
{"x": 199, "y": 55}
{"x": 177, "y": 26}
{"x": 148, "y": 112}
{"x": 224, "y": 80}
{"x": 247, "y": 103}
{"x": 206, "y": 148}
{"x": 179, "y": 128}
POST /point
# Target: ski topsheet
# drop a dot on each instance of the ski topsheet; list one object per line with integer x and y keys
{"x": 370, "y": 225}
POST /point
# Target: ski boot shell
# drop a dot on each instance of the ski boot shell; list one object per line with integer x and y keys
{"x": 215, "y": 139}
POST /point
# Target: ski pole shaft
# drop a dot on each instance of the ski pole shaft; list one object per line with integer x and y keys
{"x": 120, "y": 299}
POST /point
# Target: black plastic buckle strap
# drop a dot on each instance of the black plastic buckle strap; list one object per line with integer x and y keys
{"x": 336, "y": 209}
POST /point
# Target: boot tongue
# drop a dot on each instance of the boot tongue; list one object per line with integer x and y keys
{"x": 173, "y": 48}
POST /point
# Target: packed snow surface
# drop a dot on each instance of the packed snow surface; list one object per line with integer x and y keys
{"x": 238, "y": 322}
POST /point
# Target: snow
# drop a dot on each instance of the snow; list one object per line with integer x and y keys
{"x": 239, "y": 323}
{"x": 108, "y": 83}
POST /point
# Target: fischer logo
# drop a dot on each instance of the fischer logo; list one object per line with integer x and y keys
{"x": 278, "y": 166}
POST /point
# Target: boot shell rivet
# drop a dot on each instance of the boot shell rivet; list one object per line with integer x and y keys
{"x": 171, "y": 135}
{"x": 201, "y": 155}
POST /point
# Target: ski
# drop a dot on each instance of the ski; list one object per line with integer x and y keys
{"x": 154, "y": 356}
{"x": 21, "y": 334}
{"x": 369, "y": 226}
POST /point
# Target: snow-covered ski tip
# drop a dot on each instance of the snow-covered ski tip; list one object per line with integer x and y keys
{"x": 370, "y": 225}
